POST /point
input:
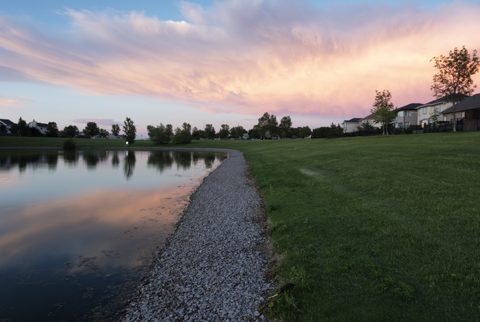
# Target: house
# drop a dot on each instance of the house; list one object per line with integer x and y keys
{"x": 432, "y": 111}
{"x": 40, "y": 127}
{"x": 468, "y": 110}
{"x": 351, "y": 126}
{"x": 370, "y": 120}
{"x": 7, "y": 124}
{"x": 406, "y": 116}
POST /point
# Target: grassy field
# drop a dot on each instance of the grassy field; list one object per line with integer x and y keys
{"x": 372, "y": 229}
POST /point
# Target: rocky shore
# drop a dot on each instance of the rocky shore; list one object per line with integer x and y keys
{"x": 214, "y": 266}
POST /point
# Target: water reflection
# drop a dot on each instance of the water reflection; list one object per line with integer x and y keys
{"x": 129, "y": 164}
{"x": 76, "y": 236}
{"x": 161, "y": 160}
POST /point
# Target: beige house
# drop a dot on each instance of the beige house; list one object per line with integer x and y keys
{"x": 432, "y": 111}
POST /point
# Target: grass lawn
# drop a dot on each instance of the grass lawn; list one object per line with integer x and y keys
{"x": 372, "y": 229}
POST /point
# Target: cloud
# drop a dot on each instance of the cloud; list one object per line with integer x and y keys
{"x": 6, "y": 102}
{"x": 104, "y": 122}
{"x": 248, "y": 56}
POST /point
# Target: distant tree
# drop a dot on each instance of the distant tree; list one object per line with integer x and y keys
{"x": 115, "y": 129}
{"x": 268, "y": 125}
{"x": 160, "y": 134}
{"x": 197, "y": 134}
{"x": 255, "y": 132}
{"x": 91, "y": 129}
{"x": 22, "y": 128}
{"x": 103, "y": 133}
{"x": 129, "y": 130}
{"x": 52, "y": 129}
{"x": 209, "y": 132}
{"x": 183, "y": 135}
{"x": 224, "y": 131}
{"x": 453, "y": 79}
{"x": 237, "y": 132}
{"x": 70, "y": 131}
{"x": 300, "y": 132}
{"x": 332, "y": 131}
{"x": 284, "y": 127}
{"x": 383, "y": 109}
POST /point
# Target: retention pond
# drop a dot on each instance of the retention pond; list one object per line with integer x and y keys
{"x": 78, "y": 231}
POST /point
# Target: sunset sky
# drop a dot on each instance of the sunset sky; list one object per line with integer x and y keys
{"x": 220, "y": 62}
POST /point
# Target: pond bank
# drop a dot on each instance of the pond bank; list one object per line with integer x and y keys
{"x": 214, "y": 265}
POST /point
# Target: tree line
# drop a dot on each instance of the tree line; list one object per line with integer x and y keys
{"x": 91, "y": 130}
{"x": 267, "y": 128}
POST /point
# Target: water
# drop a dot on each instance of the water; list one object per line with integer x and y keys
{"x": 78, "y": 231}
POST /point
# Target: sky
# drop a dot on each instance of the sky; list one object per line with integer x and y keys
{"x": 209, "y": 61}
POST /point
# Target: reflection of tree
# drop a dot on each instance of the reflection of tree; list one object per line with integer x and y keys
{"x": 115, "y": 159}
{"x": 183, "y": 159}
{"x": 70, "y": 157}
{"x": 195, "y": 158}
{"x": 209, "y": 159}
{"x": 160, "y": 160}
{"x": 129, "y": 164}
{"x": 22, "y": 161}
{"x": 52, "y": 160}
{"x": 91, "y": 159}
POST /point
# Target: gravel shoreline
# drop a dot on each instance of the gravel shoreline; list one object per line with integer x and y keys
{"x": 214, "y": 266}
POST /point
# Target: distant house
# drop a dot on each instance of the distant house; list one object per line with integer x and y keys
{"x": 351, "y": 126}
{"x": 432, "y": 111}
{"x": 370, "y": 120}
{"x": 468, "y": 110}
{"x": 406, "y": 116}
{"x": 7, "y": 124}
{"x": 40, "y": 127}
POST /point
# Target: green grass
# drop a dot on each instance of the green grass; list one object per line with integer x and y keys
{"x": 372, "y": 229}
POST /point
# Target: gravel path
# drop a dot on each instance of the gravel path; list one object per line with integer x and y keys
{"x": 214, "y": 265}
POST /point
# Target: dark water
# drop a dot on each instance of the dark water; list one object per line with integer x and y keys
{"x": 79, "y": 231}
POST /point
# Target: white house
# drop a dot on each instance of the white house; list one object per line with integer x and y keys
{"x": 7, "y": 124}
{"x": 351, "y": 126}
{"x": 40, "y": 127}
{"x": 406, "y": 116}
{"x": 370, "y": 120}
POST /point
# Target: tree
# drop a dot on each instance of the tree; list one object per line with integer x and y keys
{"x": 103, "y": 133}
{"x": 284, "y": 127}
{"x": 197, "y": 134}
{"x": 183, "y": 135}
{"x": 237, "y": 132}
{"x": 52, "y": 129}
{"x": 383, "y": 109}
{"x": 70, "y": 131}
{"x": 224, "y": 131}
{"x": 91, "y": 129}
{"x": 209, "y": 132}
{"x": 22, "y": 128}
{"x": 115, "y": 129}
{"x": 453, "y": 79}
{"x": 129, "y": 130}
{"x": 268, "y": 125}
{"x": 160, "y": 134}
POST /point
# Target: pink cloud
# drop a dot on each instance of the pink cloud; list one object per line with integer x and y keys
{"x": 6, "y": 102}
{"x": 248, "y": 56}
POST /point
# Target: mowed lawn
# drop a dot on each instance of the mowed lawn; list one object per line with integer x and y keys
{"x": 372, "y": 229}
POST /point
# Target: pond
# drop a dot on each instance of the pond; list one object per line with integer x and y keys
{"x": 78, "y": 231}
